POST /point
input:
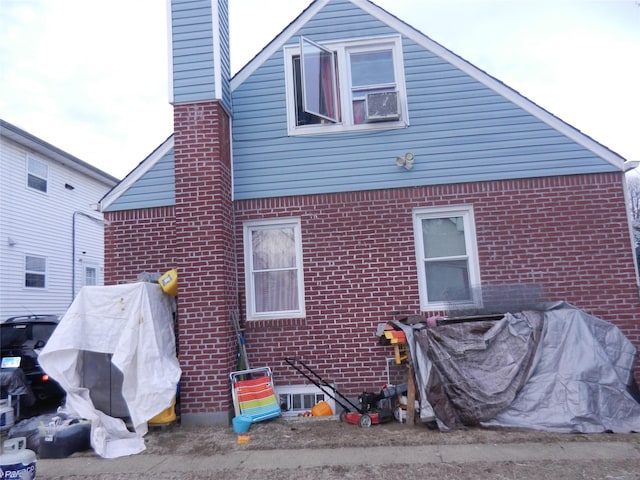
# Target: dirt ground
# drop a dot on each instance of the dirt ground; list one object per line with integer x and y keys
{"x": 312, "y": 433}
{"x": 328, "y": 432}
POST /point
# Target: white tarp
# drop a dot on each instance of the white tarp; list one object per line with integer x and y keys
{"x": 134, "y": 323}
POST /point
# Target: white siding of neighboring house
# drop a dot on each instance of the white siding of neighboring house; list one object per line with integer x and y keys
{"x": 40, "y": 224}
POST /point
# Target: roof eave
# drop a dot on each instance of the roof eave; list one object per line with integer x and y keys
{"x": 38, "y": 145}
{"x": 132, "y": 177}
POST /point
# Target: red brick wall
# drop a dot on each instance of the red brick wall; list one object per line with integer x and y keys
{"x": 138, "y": 241}
{"x": 568, "y": 234}
{"x": 204, "y": 247}
{"x": 196, "y": 237}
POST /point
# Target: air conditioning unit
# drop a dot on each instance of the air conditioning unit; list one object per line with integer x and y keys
{"x": 382, "y": 107}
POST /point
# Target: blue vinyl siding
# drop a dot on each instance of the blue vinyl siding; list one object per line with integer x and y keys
{"x": 193, "y": 52}
{"x": 156, "y": 188}
{"x": 460, "y": 130}
{"x": 225, "y": 55}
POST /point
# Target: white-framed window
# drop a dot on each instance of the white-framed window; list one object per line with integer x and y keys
{"x": 90, "y": 275}
{"x": 273, "y": 269}
{"x": 447, "y": 260}
{"x": 37, "y": 174}
{"x": 298, "y": 399}
{"x": 345, "y": 86}
{"x": 35, "y": 271}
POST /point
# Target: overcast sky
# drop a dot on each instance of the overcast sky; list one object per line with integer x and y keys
{"x": 90, "y": 77}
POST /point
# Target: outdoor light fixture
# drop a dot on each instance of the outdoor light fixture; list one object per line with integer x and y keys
{"x": 406, "y": 161}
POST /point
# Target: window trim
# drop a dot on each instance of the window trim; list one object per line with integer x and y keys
{"x": 44, "y": 274}
{"x": 35, "y": 175}
{"x": 248, "y": 227}
{"x": 342, "y": 49}
{"x": 468, "y": 217}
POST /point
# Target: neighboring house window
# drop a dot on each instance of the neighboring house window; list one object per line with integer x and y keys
{"x": 446, "y": 254}
{"x": 37, "y": 173}
{"x": 345, "y": 86}
{"x": 273, "y": 268}
{"x": 35, "y": 271}
{"x": 90, "y": 275}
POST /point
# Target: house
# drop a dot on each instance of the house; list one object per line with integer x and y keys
{"x": 51, "y": 236}
{"x": 353, "y": 170}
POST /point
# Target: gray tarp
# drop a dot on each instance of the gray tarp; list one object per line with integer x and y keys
{"x": 14, "y": 382}
{"x": 558, "y": 370}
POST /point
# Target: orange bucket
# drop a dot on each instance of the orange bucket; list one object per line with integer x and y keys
{"x": 321, "y": 409}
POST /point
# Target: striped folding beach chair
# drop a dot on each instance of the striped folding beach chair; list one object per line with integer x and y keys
{"x": 254, "y": 394}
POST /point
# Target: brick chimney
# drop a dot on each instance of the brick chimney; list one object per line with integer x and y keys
{"x": 200, "y": 94}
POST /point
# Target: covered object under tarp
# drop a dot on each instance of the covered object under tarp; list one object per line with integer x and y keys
{"x": 133, "y": 326}
{"x": 556, "y": 369}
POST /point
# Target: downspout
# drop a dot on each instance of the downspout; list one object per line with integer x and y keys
{"x": 631, "y": 225}
{"x": 73, "y": 246}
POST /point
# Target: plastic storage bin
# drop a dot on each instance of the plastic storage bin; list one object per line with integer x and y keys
{"x": 241, "y": 423}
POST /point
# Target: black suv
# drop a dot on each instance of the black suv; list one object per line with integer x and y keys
{"x": 21, "y": 340}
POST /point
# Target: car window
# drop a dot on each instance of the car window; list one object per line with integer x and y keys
{"x": 42, "y": 332}
{"x": 19, "y": 335}
{"x": 14, "y": 336}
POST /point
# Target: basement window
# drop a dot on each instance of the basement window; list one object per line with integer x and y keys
{"x": 297, "y": 399}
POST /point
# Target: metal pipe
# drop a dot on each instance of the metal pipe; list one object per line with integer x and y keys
{"x": 73, "y": 246}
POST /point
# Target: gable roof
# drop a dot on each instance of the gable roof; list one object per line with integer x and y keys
{"x": 447, "y": 55}
{"x": 136, "y": 174}
{"x": 404, "y": 29}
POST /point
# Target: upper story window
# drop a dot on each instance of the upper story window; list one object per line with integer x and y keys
{"x": 37, "y": 174}
{"x": 448, "y": 268}
{"x": 316, "y": 82}
{"x": 345, "y": 86}
{"x": 273, "y": 269}
{"x": 35, "y": 271}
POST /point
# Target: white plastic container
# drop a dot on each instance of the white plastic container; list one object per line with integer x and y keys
{"x": 17, "y": 461}
{"x": 6, "y": 415}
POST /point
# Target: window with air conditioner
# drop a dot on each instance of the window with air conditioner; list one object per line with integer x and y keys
{"x": 345, "y": 86}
